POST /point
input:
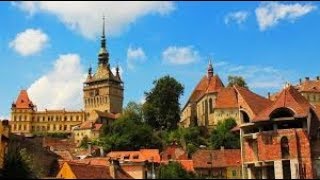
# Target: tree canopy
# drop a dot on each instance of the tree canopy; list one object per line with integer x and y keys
{"x": 128, "y": 132}
{"x": 222, "y": 135}
{"x": 162, "y": 108}
{"x": 173, "y": 170}
{"x": 237, "y": 80}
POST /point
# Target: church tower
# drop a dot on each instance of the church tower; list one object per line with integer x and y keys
{"x": 103, "y": 90}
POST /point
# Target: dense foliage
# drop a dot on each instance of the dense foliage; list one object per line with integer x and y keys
{"x": 237, "y": 80}
{"x": 162, "y": 109}
{"x": 173, "y": 170}
{"x": 222, "y": 135}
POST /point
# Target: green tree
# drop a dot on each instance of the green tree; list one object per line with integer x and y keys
{"x": 84, "y": 142}
{"x": 162, "y": 108}
{"x": 173, "y": 170}
{"x": 222, "y": 135}
{"x": 237, "y": 80}
{"x": 18, "y": 163}
{"x": 129, "y": 132}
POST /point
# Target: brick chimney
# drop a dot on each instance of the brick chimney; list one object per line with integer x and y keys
{"x": 318, "y": 78}
{"x": 269, "y": 95}
{"x": 300, "y": 80}
{"x": 307, "y": 78}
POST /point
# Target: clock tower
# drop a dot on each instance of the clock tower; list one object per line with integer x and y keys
{"x": 103, "y": 90}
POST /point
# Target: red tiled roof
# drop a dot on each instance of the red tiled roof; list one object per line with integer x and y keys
{"x": 58, "y": 144}
{"x": 64, "y": 154}
{"x": 91, "y": 125}
{"x": 86, "y": 171}
{"x": 255, "y": 102}
{"x": 136, "y": 156}
{"x": 23, "y": 100}
{"x": 206, "y": 85}
{"x": 107, "y": 114}
{"x": 227, "y": 98}
{"x": 175, "y": 152}
{"x": 289, "y": 98}
{"x": 309, "y": 86}
{"x": 216, "y": 158}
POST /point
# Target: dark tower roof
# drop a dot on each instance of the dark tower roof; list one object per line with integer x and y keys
{"x": 103, "y": 53}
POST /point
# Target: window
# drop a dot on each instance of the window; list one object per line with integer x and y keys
{"x": 65, "y": 118}
{"x": 19, "y": 118}
{"x": 25, "y": 127}
{"x": 19, "y": 127}
{"x": 285, "y": 148}
{"x": 14, "y": 127}
{"x": 234, "y": 173}
{"x": 15, "y": 118}
{"x": 210, "y": 105}
{"x": 65, "y": 127}
{"x": 71, "y": 118}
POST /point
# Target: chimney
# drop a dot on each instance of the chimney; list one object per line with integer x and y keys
{"x": 222, "y": 148}
{"x": 318, "y": 78}
{"x": 113, "y": 167}
{"x": 89, "y": 148}
{"x": 300, "y": 80}
{"x": 307, "y": 78}
{"x": 269, "y": 95}
{"x": 101, "y": 152}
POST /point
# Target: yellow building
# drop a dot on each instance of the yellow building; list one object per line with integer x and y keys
{"x": 26, "y": 119}
{"x": 4, "y": 138}
{"x": 102, "y": 95}
{"x": 210, "y": 102}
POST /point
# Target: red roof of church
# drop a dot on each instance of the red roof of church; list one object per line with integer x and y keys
{"x": 289, "y": 98}
{"x": 23, "y": 100}
{"x": 227, "y": 98}
{"x": 205, "y": 158}
{"x": 206, "y": 85}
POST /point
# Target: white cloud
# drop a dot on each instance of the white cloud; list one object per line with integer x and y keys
{"x": 29, "y": 42}
{"x": 271, "y": 13}
{"x": 142, "y": 100}
{"x": 135, "y": 55}
{"x": 85, "y": 17}
{"x": 113, "y": 69}
{"x": 239, "y": 17}
{"x": 61, "y": 86}
{"x": 180, "y": 55}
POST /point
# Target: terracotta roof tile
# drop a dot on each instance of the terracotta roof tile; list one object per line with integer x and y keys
{"x": 227, "y": 98}
{"x": 204, "y": 158}
{"x": 136, "y": 156}
{"x": 255, "y": 102}
{"x": 289, "y": 98}
{"x": 86, "y": 171}
{"x": 309, "y": 86}
{"x": 205, "y": 85}
{"x": 23, "y": 100}
{"x": 175, "y": 152}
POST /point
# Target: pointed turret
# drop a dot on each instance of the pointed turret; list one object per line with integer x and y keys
{"x": 118, "y": 73}
{"x": 103, "y": 53}
{"x": 210, "y": 69}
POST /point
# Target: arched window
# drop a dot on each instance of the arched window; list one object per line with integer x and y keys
{"x": 285, "y": 148}
{"x": 245, "y": 117}
{"x": 210, "y": 105}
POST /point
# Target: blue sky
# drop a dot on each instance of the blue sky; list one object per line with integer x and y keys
{"x": 47, "y": 47}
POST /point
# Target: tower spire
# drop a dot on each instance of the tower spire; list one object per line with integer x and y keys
{"x": 210, "y": 69}
{"x": 103, "y": 53}
{"x": 103, "y": 37}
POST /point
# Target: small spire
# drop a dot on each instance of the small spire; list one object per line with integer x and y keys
{"x": 90, "y": 71}
{"x": 103, "y": 36}
{"x": 210, "y": 69}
